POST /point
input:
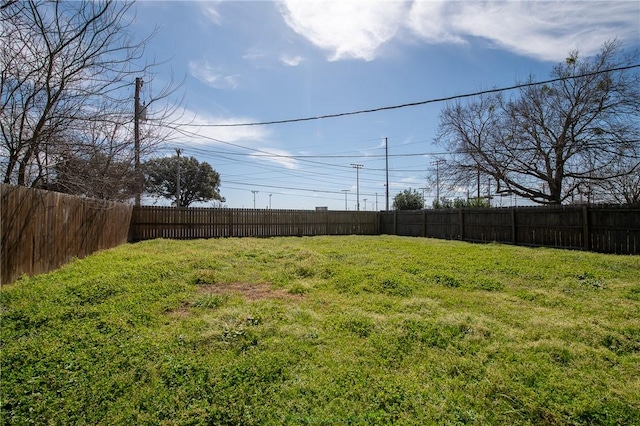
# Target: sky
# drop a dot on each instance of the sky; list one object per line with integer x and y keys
{"x": 241, "y": 62}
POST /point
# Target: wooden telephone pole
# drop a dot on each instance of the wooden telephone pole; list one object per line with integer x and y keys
{"x": 137, "y": 112}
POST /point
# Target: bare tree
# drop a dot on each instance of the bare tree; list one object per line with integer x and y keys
{"x": 468, "y": 130}
{"x": 623, "y": 188}
{"x": 66, "y": 79}
{"x": 551, "y": 140}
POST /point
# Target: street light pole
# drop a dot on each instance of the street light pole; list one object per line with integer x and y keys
{"x": 254, "y": 198}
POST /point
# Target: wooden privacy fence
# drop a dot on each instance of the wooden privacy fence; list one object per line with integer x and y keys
{"x": 43, "y": 230}
{"x": 150, "y": 222}
{"x": 604, "y": 229}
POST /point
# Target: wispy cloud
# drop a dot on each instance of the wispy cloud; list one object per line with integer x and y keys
{"x": 212, "y": 76}
{"x": 277, "y": 156}
{"x": 210, "y": 10}
{"x": 195, "y": 128}
{"x": 546, "y": 30}
{"x": 292, "y": 61}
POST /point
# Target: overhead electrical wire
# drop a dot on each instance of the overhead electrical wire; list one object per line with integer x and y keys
{"x": 425, "y": 102}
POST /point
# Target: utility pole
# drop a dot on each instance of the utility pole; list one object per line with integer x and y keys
{"x": 365, "y": 204}
{"x": 437, "y": 164}
{"x": 386, "y": 156}
{"x": 424, "y": 203}
{"x": 357, "y": 167}
{"x": 178, "y": 178}
{"x": 254, "y": 198}
{"x": 346, "y": 207}
{"x": 270, "y": 201}
{"x": 137, "y": 110}
{"x": 377, "y": 201}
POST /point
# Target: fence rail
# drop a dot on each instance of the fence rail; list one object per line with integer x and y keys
{"x": 43, "y": 230}
{"x": 150, "y": 222}
{"x": 604, "y": 229}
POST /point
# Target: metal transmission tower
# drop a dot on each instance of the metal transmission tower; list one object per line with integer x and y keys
{"x": 357, "y": 167}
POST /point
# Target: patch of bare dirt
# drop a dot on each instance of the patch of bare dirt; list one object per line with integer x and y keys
{"x": 250, "y": 291}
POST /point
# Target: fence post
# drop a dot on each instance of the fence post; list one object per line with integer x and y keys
{"x": 513, "y": 226}
{"x": 461, "y": 220}
{"x": 424, "y": 223}
{"x": 395, "y": 222}
{"x": 585, "y": 228}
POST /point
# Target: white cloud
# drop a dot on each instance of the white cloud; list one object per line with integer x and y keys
{"x": 212, "y": 76}
{"x": 277, "y": 156}
{"x": 429, "y": 20}
{"x": 292, "y": 61}
{"x": 196, "y": 129}
{"x": 347, "y": 29}
{"x": 546, "y": 30}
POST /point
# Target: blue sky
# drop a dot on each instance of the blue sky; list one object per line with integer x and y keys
{"x": 247, "y": 62}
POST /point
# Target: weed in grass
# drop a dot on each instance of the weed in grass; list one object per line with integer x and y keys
{"x": 394, "y": 286}
{"x": 91, "y": 292}
{"x": 305, "y": 271}
{"x": 487, "y": 284}
{"x": 591, "y": 281}
{"x": 299, "y": 289}
{"x": 359, "y": 326}
{"x": 626, "y": 341}
{"x": 447, "y": 281}
{"x": 211, "y": 300}
{"x": 634, "y": 293}
{"x": 205, "y": 277}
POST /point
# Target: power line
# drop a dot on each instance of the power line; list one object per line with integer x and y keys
{"x": 413, "y": 104}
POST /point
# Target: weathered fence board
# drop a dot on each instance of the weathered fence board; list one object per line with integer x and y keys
{"x": 150, "y": 222}
{"x": 43, "y": 230}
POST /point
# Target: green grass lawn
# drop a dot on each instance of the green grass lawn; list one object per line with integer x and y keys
{"x": 325, "y": 330}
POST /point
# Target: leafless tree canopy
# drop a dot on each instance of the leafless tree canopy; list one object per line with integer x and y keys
{"x": 557, "y": 142}
{"x": 67, "y": 78}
